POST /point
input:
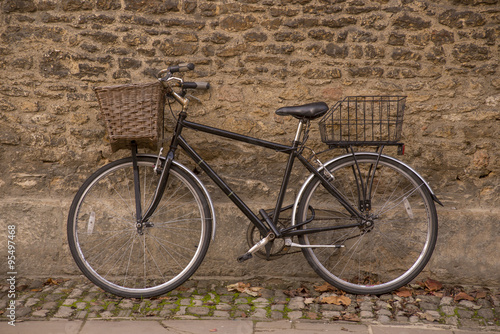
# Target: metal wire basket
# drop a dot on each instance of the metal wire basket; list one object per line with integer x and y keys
{"x": 132, "y": 112}
{"x": 364, "y": 121}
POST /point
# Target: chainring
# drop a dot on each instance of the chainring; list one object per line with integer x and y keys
{"x": 278, "y": 248}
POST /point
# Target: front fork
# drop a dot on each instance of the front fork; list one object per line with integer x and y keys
{"x": 164, "y": 171}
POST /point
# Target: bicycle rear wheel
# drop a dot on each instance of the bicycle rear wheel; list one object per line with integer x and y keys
{"x": 394, "y": 244}
{"x": 107, "y": 246}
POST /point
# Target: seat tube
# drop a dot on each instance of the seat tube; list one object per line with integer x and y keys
{"x": 288, "y": 171}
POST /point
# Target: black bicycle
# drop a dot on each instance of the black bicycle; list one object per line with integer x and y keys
{"x": 141, "y": 226}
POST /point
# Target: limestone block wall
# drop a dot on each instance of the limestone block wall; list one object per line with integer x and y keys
{"x": 258, "y": 55}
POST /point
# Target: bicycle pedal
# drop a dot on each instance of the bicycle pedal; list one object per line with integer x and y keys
{"x": 244, "y": 257}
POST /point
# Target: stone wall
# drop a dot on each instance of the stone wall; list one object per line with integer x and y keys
{"x": 258, "y": 55}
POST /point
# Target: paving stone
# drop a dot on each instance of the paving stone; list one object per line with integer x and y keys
{"x": 366, "y": 306}
{"x": 366, "y": 314}
{"x": 81, "y": 314}
{"x": 414, "y": 319}
{"x": 241, "y": 301}
{"x": 296, "y": 303}
{"x": 41, "y": 313}
{"x": 243, "y": 307}
{"x": 448, "y": 310}
{"x": 384, "y": 319}
{"x": 75, "y": 293}
{"x": 428, "y": 306}
{"x": 198, "y": 310}
{"x": 468, "y": 304}
{"x": 294, "y": 315}
{"x": 446, "y": 301}
{"x": 467, "y": 314}
{"x": 276, "y": 315}
{"x": 64, "y": 312}
{"x": 332, "y": 314}
{"x": 485, "y": 313}
{"x": 81, "y": 305}
{"x": 259, "y": 313}
{"x": 453, "y": 321}
{"x": 223, "y": 307}
{"x": 384, "y": 312}
{"x": 126, "y": 303}
{"x": 31, "y": 301}
{"x": 221, "y": 314}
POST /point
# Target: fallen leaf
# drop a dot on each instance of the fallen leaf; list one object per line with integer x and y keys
{"x": 240, "y": 287}
{"x": 51, "y": 281}
{"x": 300, "y": 292}
{"x": 244, "y": 288}
{"x": 337, "y": 300}
{"x": 213, "y": 330}
{"x": 403, "y": 292}
{"x": 426, "y": 316}
{"x": 325, "y": 288}
{"x": 462, "y": 295}
{"x": 36, "y": 290}
{"x": 433, "y": 285}
{"x": 351, "y": 317}
{"x": 481, "y": 295}
{"x": 308, "y": 301}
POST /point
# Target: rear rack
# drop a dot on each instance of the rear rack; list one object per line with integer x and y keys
{"x": 364, "y": 121}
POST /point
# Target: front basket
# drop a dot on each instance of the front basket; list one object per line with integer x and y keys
{"x": 364, "y": 120}
{"x": 132, "y": 112}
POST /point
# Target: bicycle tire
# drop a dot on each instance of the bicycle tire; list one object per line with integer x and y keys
{"x": 105, "y": 242}
{"x": 377, "y": 259}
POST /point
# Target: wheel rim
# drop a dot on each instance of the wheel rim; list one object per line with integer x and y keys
{"x": 109, "y": 247}
{"x": 392, "y": 251}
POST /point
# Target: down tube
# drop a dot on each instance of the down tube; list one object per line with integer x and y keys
{"x": 223, "y": 186}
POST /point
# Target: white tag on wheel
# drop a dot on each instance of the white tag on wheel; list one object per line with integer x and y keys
{"x": 91, "y": 222}
{"x": 408, "y": 208}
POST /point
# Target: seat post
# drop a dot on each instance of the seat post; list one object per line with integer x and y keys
{"x": 299, "y": 130}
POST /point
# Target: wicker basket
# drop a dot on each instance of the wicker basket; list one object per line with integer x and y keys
{"x": 133, "y": 112}
{"x": 364, "y": 120}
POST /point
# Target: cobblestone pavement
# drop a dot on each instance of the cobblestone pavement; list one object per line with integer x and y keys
{"x": 464, "y": 308}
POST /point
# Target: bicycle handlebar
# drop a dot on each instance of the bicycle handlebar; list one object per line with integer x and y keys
{"x": 184, "y": 67}
{"x": 196, "y": 85}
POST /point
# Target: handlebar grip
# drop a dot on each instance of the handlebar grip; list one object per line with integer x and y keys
{"x": 196, "y": 85}
{"x": 181, "y": 67}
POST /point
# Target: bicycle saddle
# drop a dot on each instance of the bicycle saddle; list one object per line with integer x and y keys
{"x": 308, "y": 111}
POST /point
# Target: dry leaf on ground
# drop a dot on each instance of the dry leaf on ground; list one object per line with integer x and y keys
{"x": 351, "y": 317}
{"x": 300, "y": 292}
{"x": 403, "y": 292}
{"x": 337, "y": 300}
{"x": 326, "y": 287}
{"x": 481, "y": 295}
{"x": 51, "y": 281}
{"x": 462, "y": 295}
{"x": 433, "y": 285}
{"x": 244, "y": 288}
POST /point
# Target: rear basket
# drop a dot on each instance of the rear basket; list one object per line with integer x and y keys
{"x": 364, "y": 121}
{"x": 133, "y": 112}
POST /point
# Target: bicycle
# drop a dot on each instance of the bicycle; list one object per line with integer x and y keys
{"x": 365, "y": 222}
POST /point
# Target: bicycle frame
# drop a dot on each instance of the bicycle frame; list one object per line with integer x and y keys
{"x": 293, "y": 151}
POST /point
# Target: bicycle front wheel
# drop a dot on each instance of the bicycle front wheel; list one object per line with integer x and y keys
{"x": 396, "y": 239}
{"x": 107, "y": 246}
